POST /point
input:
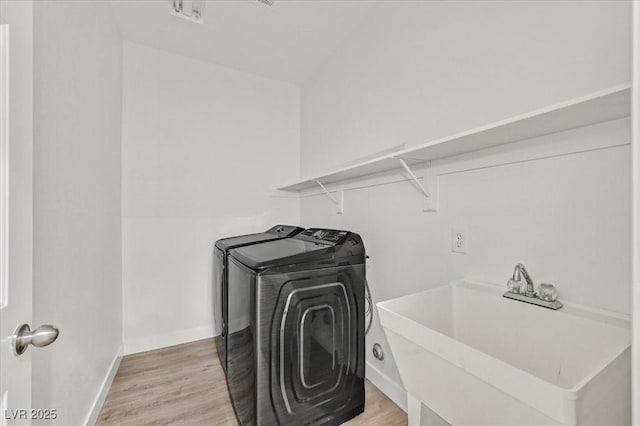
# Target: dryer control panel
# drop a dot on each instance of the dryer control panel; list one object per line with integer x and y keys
{"x": 327, "y": 236}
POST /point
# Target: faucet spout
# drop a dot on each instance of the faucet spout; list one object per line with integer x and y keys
{"x": 521, "y": 272}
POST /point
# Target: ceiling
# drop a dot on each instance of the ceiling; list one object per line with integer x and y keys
{"x": 287, "y": 41}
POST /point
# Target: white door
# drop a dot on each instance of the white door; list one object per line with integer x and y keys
{"x": 16, "y": 213}
{"x": 15, "y": 274}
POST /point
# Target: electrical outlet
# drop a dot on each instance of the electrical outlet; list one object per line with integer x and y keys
{"x": 458, "y": 241}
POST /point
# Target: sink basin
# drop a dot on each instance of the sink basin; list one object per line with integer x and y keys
{"x": 477, "y": 358}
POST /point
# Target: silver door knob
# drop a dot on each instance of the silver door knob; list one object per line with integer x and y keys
{"x": 41, "y": 336}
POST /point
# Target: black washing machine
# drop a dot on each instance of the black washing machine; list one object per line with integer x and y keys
{"x": 296, "y": 341}
{"x": 220, "y": 301}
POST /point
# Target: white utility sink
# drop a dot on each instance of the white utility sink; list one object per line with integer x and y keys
{"x": 477, "y": 358}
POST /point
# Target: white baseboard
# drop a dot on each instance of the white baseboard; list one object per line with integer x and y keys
{"x": 394, "y": 391}
{"x": 104, "y": 389}
{"x": 148, "y": 343}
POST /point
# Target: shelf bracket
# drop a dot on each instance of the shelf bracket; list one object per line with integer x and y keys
{"x": 429, "y": 200}
{"x": 338, "y": 202}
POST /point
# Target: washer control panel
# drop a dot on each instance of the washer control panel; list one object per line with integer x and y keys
{"x": 330, "y": 236}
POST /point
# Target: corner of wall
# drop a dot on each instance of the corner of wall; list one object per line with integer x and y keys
{"x": 103, "y": 391}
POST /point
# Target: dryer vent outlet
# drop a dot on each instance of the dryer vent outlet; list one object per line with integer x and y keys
{"x": 378, "y": 353}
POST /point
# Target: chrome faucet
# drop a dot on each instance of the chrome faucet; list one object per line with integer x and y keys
{"x": 518, "y": 273}
{"x": 546, "y": 295}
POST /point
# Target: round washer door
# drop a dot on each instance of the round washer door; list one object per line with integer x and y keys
{"x": 315, "y": 345}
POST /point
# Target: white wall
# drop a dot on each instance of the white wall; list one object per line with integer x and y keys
{"x": 566, "y": 217}
{"x": 202, "y": 146}
{"x": 77, "y": 232}
{"x": 414, "y": 71}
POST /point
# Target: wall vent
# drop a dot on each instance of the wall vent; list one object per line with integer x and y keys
{"x": 191, "y": 10}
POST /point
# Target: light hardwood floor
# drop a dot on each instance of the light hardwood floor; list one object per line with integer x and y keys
{"x": 185, "y": 385}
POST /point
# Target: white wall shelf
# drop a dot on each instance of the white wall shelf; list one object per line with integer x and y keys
{"x": 605, "y": 105}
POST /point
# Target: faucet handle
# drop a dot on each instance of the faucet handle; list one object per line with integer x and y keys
{"x": 515, "y": 286}
{"x": 547, "y": 292}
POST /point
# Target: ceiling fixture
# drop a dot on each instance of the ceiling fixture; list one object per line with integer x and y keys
{"x": 191, "y": 10}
